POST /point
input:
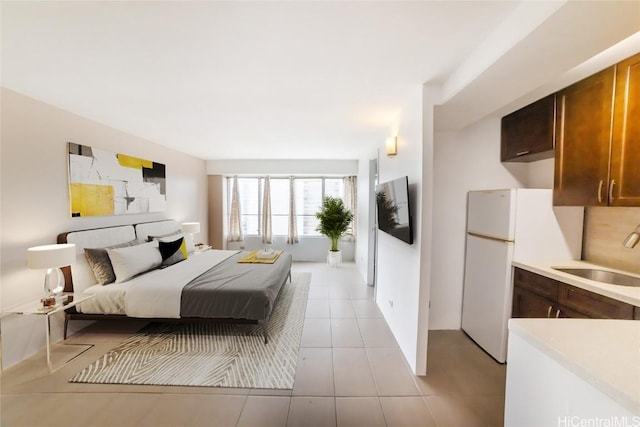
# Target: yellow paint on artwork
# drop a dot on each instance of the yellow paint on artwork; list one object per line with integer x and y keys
{"x": 91, "y": 199}
{"x": 134, "y": 162}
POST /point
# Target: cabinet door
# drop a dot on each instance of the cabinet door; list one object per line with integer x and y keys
{"x": 536, "y": 283}
{"x": 583, "y": 135}
{"x": 529, "y": 304}
{"x": 528, "y": 134}
{"x": 625, "y": 146}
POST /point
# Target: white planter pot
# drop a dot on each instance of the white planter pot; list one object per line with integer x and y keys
{"x": 334, "y": 258}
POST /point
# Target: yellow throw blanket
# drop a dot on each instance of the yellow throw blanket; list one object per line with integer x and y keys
{"x": 251, "y": 258}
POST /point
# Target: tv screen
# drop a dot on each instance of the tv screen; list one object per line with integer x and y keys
{"x": 394, "y": 209}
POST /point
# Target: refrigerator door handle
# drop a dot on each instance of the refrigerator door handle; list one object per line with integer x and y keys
{"x": 482, "y": 236}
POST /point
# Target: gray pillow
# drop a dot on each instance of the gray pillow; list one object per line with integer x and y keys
{"x": 100, "y": 263}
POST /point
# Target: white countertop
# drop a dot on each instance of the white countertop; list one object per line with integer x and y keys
{"x": 628, "y": 294}
{"x": 603, "y": 352}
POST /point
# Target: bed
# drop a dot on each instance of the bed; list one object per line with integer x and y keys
{"x": 212, "y": 285}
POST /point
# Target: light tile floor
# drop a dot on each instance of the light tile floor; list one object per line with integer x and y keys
{"x": 350, "y": 372}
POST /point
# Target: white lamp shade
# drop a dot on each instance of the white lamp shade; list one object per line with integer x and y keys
{"x": 51, "y": 256}
{"x": 190, "y": 227}
{"x": 392, "y": 146}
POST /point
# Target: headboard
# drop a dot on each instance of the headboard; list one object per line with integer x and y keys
{"x": 79, "y": 275}
{"x": 156, "y": 228}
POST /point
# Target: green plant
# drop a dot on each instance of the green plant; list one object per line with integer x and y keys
{"x": 334, "y": 220}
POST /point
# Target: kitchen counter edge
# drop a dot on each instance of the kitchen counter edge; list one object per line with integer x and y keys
{"x": 603, "y": 352}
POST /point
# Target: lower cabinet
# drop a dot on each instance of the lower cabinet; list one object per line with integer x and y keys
{"x": 539, "y": 296}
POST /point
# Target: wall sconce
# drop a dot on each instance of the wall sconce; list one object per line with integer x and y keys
{"x": 392, "y": 146}
{"x": 632, "y": 239}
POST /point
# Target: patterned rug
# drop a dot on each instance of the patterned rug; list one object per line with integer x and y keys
{"x": 211, "y": 354}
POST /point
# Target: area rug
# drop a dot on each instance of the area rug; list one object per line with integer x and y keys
{"x": 211, "y": 354}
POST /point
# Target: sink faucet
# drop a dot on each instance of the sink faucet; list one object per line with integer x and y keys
{"x": 632, "y": 239}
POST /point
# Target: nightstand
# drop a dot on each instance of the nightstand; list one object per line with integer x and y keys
{"x": 35, "y": 308}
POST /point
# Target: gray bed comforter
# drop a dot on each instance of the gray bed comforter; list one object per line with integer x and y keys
{"x": 236, "y": 290}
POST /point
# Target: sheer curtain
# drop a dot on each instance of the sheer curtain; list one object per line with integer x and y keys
{"x": 292, "y": 235}
{"x": 235, "y": 227}
{"x": 350, "y": 200}
{"x": 266, "y": 211}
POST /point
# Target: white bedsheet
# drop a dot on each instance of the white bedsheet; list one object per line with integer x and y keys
{"x": 107, "y": 299}
{"x": 157, "y": 294}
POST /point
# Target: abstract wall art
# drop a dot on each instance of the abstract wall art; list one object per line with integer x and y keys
{"x": 106, "y": 183}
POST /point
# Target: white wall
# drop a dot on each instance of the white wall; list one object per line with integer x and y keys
{"x": 464, "y": 160}
{"x": 398, "y": 273}
{"x": 431, "y": 96}
{"x": 364, "y": 223}
{"x": 35, "y": 203}
{"x": 540, "y": 174}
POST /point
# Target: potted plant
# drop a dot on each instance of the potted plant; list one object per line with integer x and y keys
{"x": 334, "y": 219}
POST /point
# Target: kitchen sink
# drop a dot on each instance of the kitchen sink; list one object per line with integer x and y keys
{"x": 603, "y": 276}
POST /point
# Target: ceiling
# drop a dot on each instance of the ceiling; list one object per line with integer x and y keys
{"x": 276, "y": 80}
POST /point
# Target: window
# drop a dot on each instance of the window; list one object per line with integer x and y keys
{"x": 250, "y": 190}
{"x": 279, "y": 206}
{"x": 334, "y": 187}
{"x": 309, "y": 193}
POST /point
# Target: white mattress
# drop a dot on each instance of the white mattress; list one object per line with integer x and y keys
{"x": 152, "y": 294}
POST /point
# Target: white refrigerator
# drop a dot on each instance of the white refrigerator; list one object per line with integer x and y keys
{"x": 503, "y": 226}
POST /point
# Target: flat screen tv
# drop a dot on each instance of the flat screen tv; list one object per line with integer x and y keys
{"x": 394, "y": 209}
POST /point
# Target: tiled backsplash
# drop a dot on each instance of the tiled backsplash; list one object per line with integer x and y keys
{"x": 604, "y": 230}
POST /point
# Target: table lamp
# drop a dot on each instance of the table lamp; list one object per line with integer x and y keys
{"x": 191, "y": 228}
{"x": 52, "y": 257}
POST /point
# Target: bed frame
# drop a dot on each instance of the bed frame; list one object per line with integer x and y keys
{"x": 158, "y": 227}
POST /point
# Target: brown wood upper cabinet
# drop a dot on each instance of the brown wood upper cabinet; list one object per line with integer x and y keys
{"x": 527, "y": 134}
{"x": 625, "y": 144}
{"x": 598, "y": 139}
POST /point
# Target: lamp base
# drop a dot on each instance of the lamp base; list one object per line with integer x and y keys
{"x": 53, "y": 289}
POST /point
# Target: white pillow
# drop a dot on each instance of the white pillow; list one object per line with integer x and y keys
{"x": 130, "y": 261}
